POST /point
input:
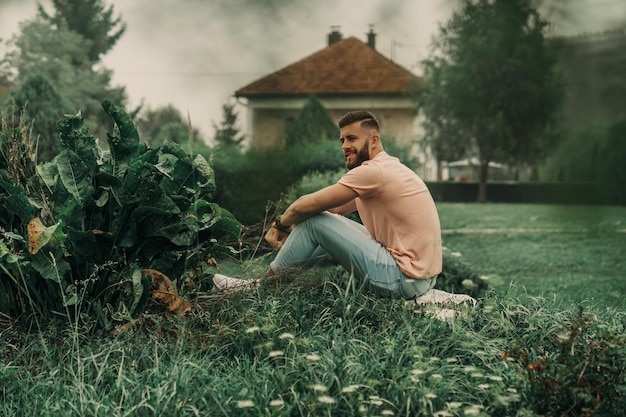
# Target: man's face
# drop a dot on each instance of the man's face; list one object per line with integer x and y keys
{"x": 355, "y": 144}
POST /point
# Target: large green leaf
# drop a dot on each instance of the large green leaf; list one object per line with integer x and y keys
{"x": 75, "y": 176}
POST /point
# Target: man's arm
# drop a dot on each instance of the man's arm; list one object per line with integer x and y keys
{"x": 349, "y": 207}
{"x": 336, "y": 196}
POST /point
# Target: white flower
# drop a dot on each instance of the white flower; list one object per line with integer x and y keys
{"x": 468, "y": 283}
{"x": 437, "y": 376}
{"x": 253, "y": 329}
{"x": 430, "y": 395}
{"x": 470, "y": 369}
{"x": 276, "y": 403}
{"x": 319, "y": 387}
{"x": 276, "y": 353}
{"x": 313, "y": 357}
{"x": 286, "y": 336}
{"x": 452, "y": 360}
{"x": 418, "y": 372}
{"x": 245, "y": 404}
{"x": 495, "y": 377}
{"x": 387, "y": 413}
{"x": 456, "y": 254}
{"x": 349, "y": 388}
{"x": 483, "y": 386}
{"x": 326, "y": 399}
{"x": 454, "y": 404}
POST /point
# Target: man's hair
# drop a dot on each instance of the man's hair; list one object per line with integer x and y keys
{"x": 366, "y": 118}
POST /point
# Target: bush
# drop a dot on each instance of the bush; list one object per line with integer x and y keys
{"x": 459, "y": 278}
{"x": 576, "y": 366}
{"x": 88, "y": 231}
{"x": 248, "y": 181}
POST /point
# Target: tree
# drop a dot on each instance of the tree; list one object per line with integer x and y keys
{"x": 491, "y": 80}
{"x": 165, "y": 123}
{"x": 44, "y": 106}
{"x": 227, "y": 133}
{"x": 312, "y": 124}
{"x": 60, "y": 55}
{"x": 91, "y": 20}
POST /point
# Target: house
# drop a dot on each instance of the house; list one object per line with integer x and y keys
{"x": 346, "y": 75}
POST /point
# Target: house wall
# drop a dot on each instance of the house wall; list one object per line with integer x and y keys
{"x": 266, "y": 118}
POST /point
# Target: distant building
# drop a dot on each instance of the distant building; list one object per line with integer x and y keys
{"x": 346, "y": 75}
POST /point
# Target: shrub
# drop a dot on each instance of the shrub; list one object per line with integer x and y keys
{"x": 78, "y": 235}
{"x": 575, "y": 368}
{"x": 458, "y": 278}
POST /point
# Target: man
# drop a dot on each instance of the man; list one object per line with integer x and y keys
{"x": 398, "y": 248}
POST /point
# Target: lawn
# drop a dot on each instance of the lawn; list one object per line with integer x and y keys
{"x": 577, "y": 252}
{"x": 320, "y": 346}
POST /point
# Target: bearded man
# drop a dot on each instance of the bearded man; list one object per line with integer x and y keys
{"x": 397, "y": 249}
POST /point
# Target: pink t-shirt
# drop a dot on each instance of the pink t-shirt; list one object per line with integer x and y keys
{"x": 399, "y": 212}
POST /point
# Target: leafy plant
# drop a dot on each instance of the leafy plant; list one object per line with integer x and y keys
{"x": 81, "y": 233}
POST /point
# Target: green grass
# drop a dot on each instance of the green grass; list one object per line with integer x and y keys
{"x": 320, "y": 346}
{"x": 577, "y": 252}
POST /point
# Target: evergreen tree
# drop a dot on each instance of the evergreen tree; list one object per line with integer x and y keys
{"x": 312, "y": 124}
{"x": 91, "y": 20}
{"x": 227, "y": 134}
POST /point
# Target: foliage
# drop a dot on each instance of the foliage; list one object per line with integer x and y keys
{"x": 576, "y": 157}
{"x": 491, "y": 80}
{"x": 227, "y": 133}
{"x": 60, "y": 56}
{"x": 91, "y": 20}
{"x": 166, "y": 123}
{"x": 248, "y": 180}
{"x": 458, "y": 278}
{"x": 576, "y": 368}
{"x": 43, "y": 104}
{"x": 311, "y": 124}
{"x": 81, "y": 232}
{"x": 611, "y": 166}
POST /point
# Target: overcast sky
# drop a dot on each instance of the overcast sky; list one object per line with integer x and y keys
{"x": 195, "y": 53}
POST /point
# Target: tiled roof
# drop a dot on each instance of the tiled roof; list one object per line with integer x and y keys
{"x": 346, "y": 67}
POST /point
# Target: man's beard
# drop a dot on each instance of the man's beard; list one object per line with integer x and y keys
{"x": 361, "y": 156}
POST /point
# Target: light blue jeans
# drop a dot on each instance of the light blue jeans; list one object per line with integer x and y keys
{"x": 351, "y": 245}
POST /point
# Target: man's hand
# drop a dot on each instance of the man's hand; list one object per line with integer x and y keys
{"x": 275, "y": 237}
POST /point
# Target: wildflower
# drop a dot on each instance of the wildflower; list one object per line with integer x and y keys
{"x": 470, "y": 369}
{"x": 430, "y": 395}
{"x": 326, "y": 399}
{"x": 276, "y": 353}
{"x": 454, "y": 404}
{"x": 418, "y": 372}
{"x": 512, "y": 390}
{"x": 276, "y": 403}
{"x": 468, "y": 283}
{"x": 434, "y": 359}
{"x": 375, "y": 400}
{"x": 286, "y": 336}
{"x": 437, "y": 376}
{"x": 495, "y": 377}
{"x": 349, "y": 388}
{"x": 387, "y": 413}
{"x": 313, "y": 357}
{"x": 452, "y": 360}
{"x": 483, "y": 386}
{"x": 245, "y": 404}
{"x": 485, "y": 277}
{"x": 253, "y": 329}
{"x": 456, "y": 254}
{"x": 319, "y": 387}
{"x": 471, "y": 411}
{"x": 477, "y": 375}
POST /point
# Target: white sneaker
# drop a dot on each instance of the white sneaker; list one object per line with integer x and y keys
{"x": 224, "y": 283}
{"x": 442, "y": 298}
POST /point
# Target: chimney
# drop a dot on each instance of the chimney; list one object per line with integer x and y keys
{"x": 334, "y": 35}
{"x": 371, "y": 38}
